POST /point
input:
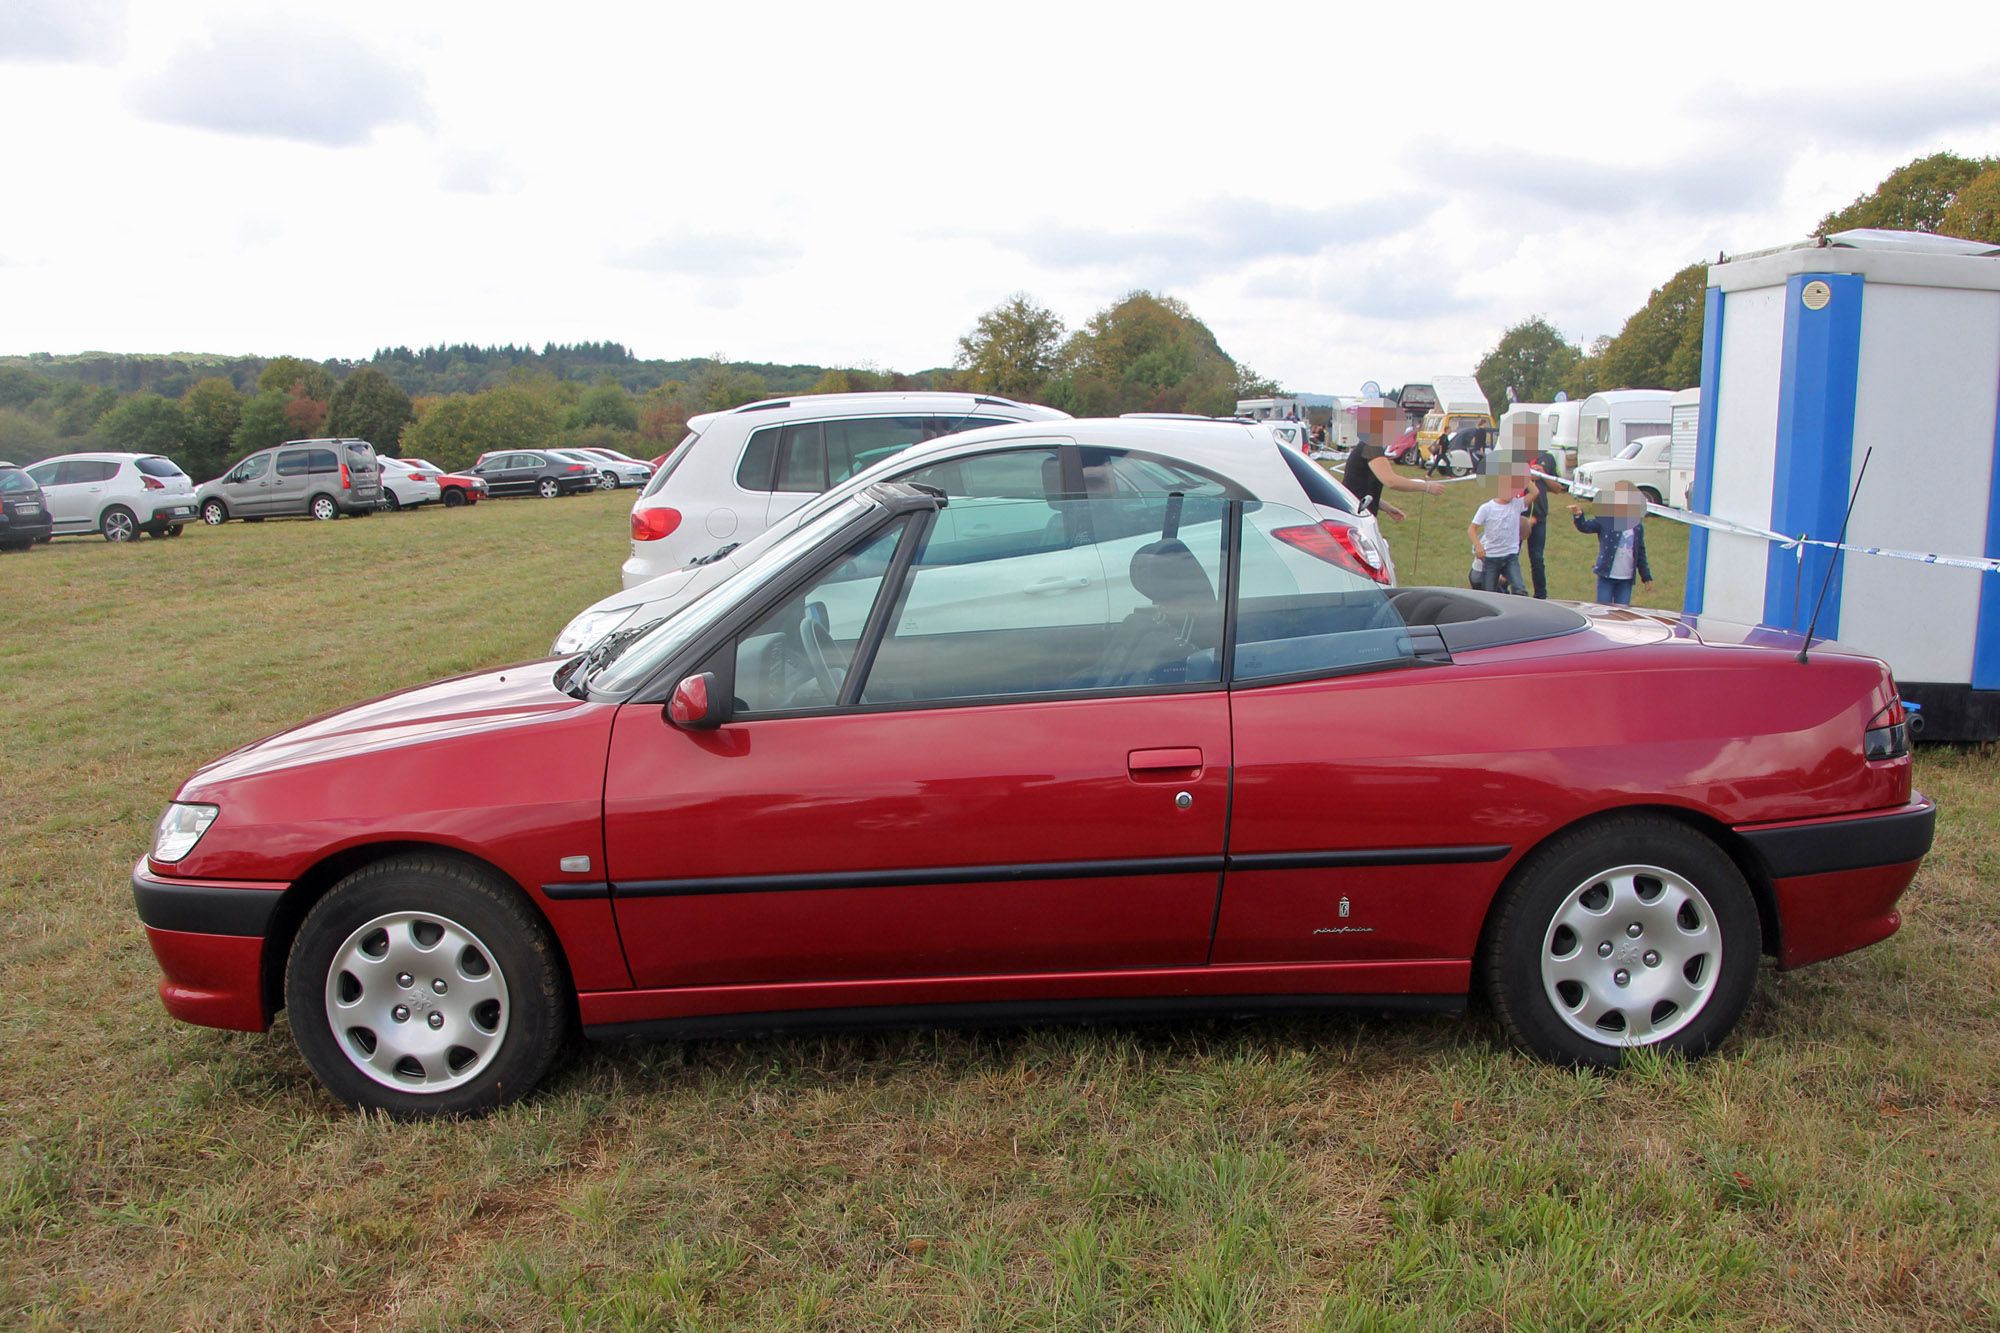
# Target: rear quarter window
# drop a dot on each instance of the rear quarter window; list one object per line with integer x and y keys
{"x": 292, "y": 464}
{"x": 1316, "y": 483}
{"x": 318, "y": 460}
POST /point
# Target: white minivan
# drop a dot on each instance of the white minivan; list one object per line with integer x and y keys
{"x": 737, "y": 472}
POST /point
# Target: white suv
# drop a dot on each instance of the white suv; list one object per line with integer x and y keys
{"x": 119, "y": 495}
{"x": 738, "y": 472}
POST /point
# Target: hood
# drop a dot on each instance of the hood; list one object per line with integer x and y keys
{"x": 510, "y": 697}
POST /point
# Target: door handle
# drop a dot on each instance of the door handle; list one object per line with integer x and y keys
{"x": 1179, "y": 760}
{"x": 1057, "y": 584}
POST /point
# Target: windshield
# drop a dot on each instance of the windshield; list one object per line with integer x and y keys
{"x": 13, "y": 479}
{"x": 627, "y": 665}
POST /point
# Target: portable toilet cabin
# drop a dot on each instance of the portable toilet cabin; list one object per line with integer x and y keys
{"x": 1610, "y": 421}
{"x": 1812, "y": 356}
{"x": 1559, "y": 426}
{"x": 1685, "y": 414}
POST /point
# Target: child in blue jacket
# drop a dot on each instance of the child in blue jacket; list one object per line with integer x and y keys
{"x": 1621, "y": 544}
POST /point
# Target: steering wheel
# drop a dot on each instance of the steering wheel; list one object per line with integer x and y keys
{"x": 817, "y": 641}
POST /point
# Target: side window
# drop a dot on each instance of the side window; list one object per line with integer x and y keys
{"x": 101, "y": 471}
{"x": 321, "y": 460}
{"x": 975, "y": 532}
{"x": 251, "y": 468}
{"x": 1304, "y": 605}
{"x": 801, "y": 459}
{"x": 1090, "y": 612}
{"x": 860, "y": 442}
{"x": 759, "y": 457}
{"x": 292, "y": 463}
{"x": 798, "y": 655}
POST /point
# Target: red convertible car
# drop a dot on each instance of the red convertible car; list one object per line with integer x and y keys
{"x": 1035, "y": 757}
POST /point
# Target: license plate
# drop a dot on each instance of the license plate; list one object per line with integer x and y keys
{"x": 181, "y": 511}
{"x": 29, "y": 508}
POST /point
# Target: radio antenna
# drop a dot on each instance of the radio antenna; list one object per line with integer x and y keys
{"x": 1835, "y": 555}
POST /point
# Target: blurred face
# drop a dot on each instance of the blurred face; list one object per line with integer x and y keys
{"x": 1373, "y": 421}
{"x": 1621, "y": 507}
{"x": 1522, "y": 435}
{"x": 1504, "y": 473}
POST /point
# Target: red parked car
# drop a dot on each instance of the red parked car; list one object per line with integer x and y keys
{"x": 1023, "y": 759}
{"x": 456, "y": 488}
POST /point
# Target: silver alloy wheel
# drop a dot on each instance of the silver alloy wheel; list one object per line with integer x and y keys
{"x": 549, "y": 487}
{"x": 119, "y": 526}
{"x": 1631, "y": 956}
{"x": 416, "y": 1002}
{"x": 606, "y": 482}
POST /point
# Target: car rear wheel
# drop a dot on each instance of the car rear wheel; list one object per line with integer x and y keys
{"x": 389, "y": 500}
{"x": 1634, "y": 933}
{"x": 118, "y": 525}
{"x": 453, "y": 497}
{"x": 548, "y": 488}
{"x": 421, "y": 986}
{"x": 1652, "y": 496}
{"x": 214, "y": 513}
{"x": 171, "y": 530}
{"x": 324, "y": 509}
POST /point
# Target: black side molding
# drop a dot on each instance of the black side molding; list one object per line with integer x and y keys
{"x": 1020, "y": 1013}
{"x": 1893, "y": 839}
{"x": 203, "y": 909}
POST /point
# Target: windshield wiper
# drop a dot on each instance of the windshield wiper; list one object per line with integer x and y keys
{"x": 589, "y": 663}
{"x": 712, "y": 556}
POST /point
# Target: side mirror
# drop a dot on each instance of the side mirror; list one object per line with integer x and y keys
{"x": 697, "y": 704}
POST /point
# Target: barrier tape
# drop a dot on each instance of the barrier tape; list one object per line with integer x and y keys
{"x": 1583, "y": 491}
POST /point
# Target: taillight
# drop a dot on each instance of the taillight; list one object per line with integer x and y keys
{"x": 649, "y": 525}
{"x": 152, "y": 483}
{"x": 574, "y": 467}
{"x": 344, "y": 481}
{"x": 1888, "y": 735}
{"x": 1338, "y": 544}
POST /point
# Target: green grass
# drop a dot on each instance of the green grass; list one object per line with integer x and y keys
{"x": 1834, "y": 1167}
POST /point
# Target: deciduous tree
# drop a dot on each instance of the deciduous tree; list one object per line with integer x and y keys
{"x": 1975, "y": 211}
{"x": 1660, "y": 346}
{"x": 213, "y": 410}
{"x": 1014, "y": 350}
{"x": 145, "y": 423}
{"x": 603, "y": 404}
{"x": 1913, "y": 197}
{"x": 262, "y": 423}
{"x": 369, "y": 406}
{"x": 1531, "y": 358}
{"x": 284, "y": 374}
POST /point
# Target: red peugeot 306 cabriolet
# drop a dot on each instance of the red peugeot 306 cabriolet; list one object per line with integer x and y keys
{"x": 1045, "y": 755}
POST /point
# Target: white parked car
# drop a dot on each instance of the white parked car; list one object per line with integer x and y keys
{"x": 617, "y": 468}
{"x": 119, "y": 495}
{"x": 407, "y": 484}
{"x": 737, "y": 472}
{"x": 1644, "y": 462}
{"x": 1132, "y": 467}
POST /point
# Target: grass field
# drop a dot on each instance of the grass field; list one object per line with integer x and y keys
{"x": 1835, "y": 1166}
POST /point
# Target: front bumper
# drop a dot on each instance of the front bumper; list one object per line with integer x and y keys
{"x": 209, "y": 939}
{"x": 1837, "y": 880}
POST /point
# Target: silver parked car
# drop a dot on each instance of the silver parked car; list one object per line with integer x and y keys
{"x": 318, "y": 478}
{"x": 118, "y": 495}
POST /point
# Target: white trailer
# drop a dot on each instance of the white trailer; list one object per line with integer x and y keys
{"x": 1559, "y": 426}
{"x": 1610, "y": 421}
{"x": 1685, "y": 416}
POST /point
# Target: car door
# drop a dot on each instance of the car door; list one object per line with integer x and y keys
{"x": 897, "y": 795}
{"x": 246, "y": 490}
{"x": 1374, "y": 799}
{"x": 63, "y": 490}
{"x": 291, "y": 473}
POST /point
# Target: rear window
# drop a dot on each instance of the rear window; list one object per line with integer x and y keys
{"x": 674, "y": 459}
{"x": 1314, "y": 481}
{"x": 361, "y": 457}
{"x": 160, "y": 467}
{"x": 13, "y": 479}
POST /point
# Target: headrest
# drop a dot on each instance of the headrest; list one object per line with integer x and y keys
{"x": 1167, "y": 574}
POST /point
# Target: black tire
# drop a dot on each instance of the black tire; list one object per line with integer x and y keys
{"x": 118, "y": 524}
{"x": 548, "y": 488}
{"x": 389, "y": 500}
{"x": 256, "y": 519}
{"x": 214, "y": 513}
{"x": 453, "y": 497}
{"x": 1619, "y": 889}
{"x": 1652, "y": 496}
{"x": 28, "y": 545}
{"x": 483, "y": 969}
{"x": 171, "y": 530}
{"x": 323, "y": 508}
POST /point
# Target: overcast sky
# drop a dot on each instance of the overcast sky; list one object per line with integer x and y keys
{"x": 1341, "y": 192}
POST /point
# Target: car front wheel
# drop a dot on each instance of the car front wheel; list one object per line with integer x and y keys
{"x": 214, "y": 513}
{"x": 421, "y": 986}
{"x": 548, "y": 488}
{"x": 324, "y": 509}
{"x": 453, "y": 498}
{"x": 1638, "y": 932}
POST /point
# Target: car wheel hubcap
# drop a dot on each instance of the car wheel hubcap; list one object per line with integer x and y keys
{"x": 416, "y": 1002}
{"x": 118, "y": 528}
{"x": 1631, "y": 956}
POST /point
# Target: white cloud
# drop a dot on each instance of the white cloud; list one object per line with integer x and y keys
{"x": 302, "y": 84}
{"x": 709, "y": 257}
{"x": 61, "y": 32}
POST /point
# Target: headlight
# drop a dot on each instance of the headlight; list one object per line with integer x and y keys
{"x": 179, "y": 829}
{"x": 588, "y": 628}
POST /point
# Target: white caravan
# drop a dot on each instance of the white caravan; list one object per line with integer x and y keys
{"x": 1610, "y": 421}
{"x": 1686, "y": 416}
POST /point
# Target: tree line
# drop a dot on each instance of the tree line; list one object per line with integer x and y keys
{"x": 1659, "y": 347}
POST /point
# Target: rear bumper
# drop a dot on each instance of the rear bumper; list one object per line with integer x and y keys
{"x": 209, "y": 940}
{"x": 1837, "y": 881}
